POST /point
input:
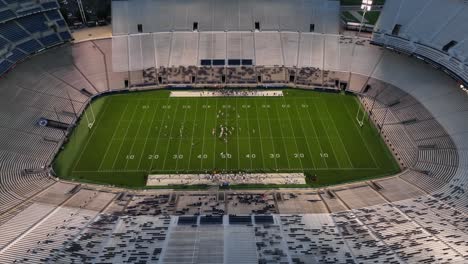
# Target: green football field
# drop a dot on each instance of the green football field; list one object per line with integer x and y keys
{"x": 141, "y": 133}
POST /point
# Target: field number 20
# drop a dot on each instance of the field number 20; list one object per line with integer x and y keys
{"x": 153, "y": 157}
{"x": 274, "y": 155}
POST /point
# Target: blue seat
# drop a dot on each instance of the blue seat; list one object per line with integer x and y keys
{"x": 6, "y": 15}
{"x": 12, "y": 31}
{"x": 50, "y": 5}
{"x": 53, "y": 15}
{"x": 16, "y": 55}
{"x": 50, "y": 40}
{"x": 34, "y": 23}
{"x": 61, "y": 23}
{"x": 65, "y": 35}
{"x": 3, "y": 43}
{"x": 30, "y": 46}
{"x": 5, "y": 66}
{"x": 29, "y": 11}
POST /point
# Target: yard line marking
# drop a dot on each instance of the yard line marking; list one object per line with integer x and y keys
{"x": 339, "y": 137}
{"x": 304, "y": 132}
{"x": 113, "y": 135}
{"x": 136, "y": 136}
{"x": 216, "y": 125}
{"x": 329, "y": 141}
{"x": 193, "y": 132}
{"x": 126, "y": 132}
{"x": 316, "y": 136}
{"x": 237, "y": 140}
{"x": 262, "y": 169}
{"x": 170, "y": 135}
{"x": 359, "y": 131}
{"x": 159, "y": 134}
{"x": 180, "y": 140}
{"x": 92, "y": 133}
{"x": 226, "y": 146}
{"x": 147, "y": 134}
{"x": 260, "y": 135}
{"x": 203, "y": 138}
{"x": 282, "y": 136}
{"x": 290, "y": 122}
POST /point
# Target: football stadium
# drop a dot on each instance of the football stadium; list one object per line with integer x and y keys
{"x": 234, "y": 131}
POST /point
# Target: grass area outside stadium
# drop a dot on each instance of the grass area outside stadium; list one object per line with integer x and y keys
{"x": 141, "y": 133}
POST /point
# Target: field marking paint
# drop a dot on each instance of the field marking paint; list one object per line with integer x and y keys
{"x": 147, "y": 135}
{"x": 136, "y": 136}
{"x": 360, "y": 134}
{"x": 170, "y": 132}
{"x": 304, "y": 132}
{"x": 237, "y": 140}
{"x": 282, "y": 137}
{"x": 284, "y": 170}
{"x": 203, "y": 138}
{"x": 329, "y": 141}
{"x": 159, "y": 133}
{"x": 260, "y": 135}
{"x": 216, "y": 125}
{"x": 91, "y": 136}
{"x": 126, "y": 132}
{"x": 339, "y": 137}
{"x": 316, "y": 135}
{"x": 113, "y": 135}
{"x": 295, "y": 142}
{"x": 193, "y": 132}
{"x": 180, "y": 140}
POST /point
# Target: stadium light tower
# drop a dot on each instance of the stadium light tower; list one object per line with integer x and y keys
{"x": 365, "y": 6}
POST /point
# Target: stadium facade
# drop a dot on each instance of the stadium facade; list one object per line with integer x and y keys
{"x": 411, "y": 82}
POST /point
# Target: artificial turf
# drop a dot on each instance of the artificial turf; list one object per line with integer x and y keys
{"x": 141, "y": 133}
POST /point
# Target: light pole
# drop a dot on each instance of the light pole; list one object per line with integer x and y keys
{"x": 365, "y": 6}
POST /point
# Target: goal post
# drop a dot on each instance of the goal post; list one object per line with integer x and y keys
{"x": 360, "y": 115}
{"x": 90, "y": 119}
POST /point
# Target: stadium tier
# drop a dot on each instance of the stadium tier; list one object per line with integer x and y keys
{"x": 435, "y": 31}
{"x": 307, "y": 89}
{"x": 23, "y": 23}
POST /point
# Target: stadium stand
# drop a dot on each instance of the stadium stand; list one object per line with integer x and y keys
{"x": 416, "y": 216}
{"x": 432, "y": 30}
{"x": 23, "y": 25}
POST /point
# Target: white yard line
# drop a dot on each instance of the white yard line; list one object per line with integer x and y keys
{"x": 90, "y": 136}
{"x": 136, "y": 136}
{"x": 329, "y": 141}
{"x": 193, "y": 132}
{"x": 304, "y": 132}
{"x": 203, "y": 138}
{"x": 159, "y": 134}
{"x": 126, "y": 132}
{"x": 282, "y": 136}
{"x": 170, "y": 132}
{"x": 295, "y": 142}
{"x": 260, "y": 135}
{"x": 112, "y": 138}
{"x": 147, "y": 134}
{"x": 339, "y": 137}
{"x": 180, "y": 140}
{"x": 316, "y": 135}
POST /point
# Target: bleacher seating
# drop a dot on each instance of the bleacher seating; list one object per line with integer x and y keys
{"x": 6, "y": 15}
{"x": 53, "y": 15}
{"x": 16, "y": 55}
{"x": 30, "y": 46}
{"x": 12, "y": 32}
{"x": 34, "y": 23}
{"x": 50, "y": 40}
{"x": 5, "y": 66}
